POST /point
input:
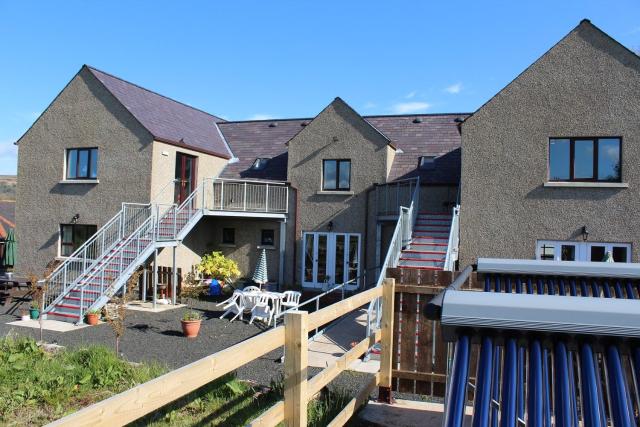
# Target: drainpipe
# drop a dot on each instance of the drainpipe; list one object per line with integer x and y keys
{"x": 296, "y": 226}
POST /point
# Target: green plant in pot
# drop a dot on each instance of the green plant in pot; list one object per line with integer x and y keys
{"x": 216, "y": 266}
{"x": 34, "y": 311}
{"x": 191, "y": 319}
{"x": 93, "y": 316}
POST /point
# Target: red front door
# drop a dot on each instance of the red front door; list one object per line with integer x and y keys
{"x": 185, "y": 176}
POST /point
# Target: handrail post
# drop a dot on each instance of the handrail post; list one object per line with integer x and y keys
{"x": 266, "y": 199}
{"x": 295, "y": 368}
{"x": 244, "y": 205}
{"x": 386, "y": 340}
{"x": 221, "y": 195}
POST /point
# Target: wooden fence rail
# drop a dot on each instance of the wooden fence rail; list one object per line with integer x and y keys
{"x": 132, "y": 404}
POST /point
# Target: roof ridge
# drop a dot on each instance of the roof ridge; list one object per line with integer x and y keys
{"x": 291, "y": 119}
{"x": 91, "y": 68}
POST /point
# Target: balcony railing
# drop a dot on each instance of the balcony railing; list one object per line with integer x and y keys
{"x": 246, "y": 196}
{"x": 392, "y": 195}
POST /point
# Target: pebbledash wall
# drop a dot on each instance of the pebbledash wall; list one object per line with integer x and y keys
{"x": 84, "y": 114}
{"x": 586, "y": 85}
{"x": 338, "y": 132}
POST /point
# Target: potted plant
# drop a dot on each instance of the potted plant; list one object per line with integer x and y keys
{"x": 93, "y": 316}
{"x": 191, "y": 319}
{"x": 215, "y": 265}
{"x": 35, "y": 310}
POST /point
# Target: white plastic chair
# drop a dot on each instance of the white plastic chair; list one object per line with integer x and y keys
{"x": 263, "y": 309}
{"x": 251, "y": 289}
{"x": 290, "y": 299}
{"x": 234, "y": 305}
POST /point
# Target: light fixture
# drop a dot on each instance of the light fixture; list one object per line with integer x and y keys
{"x": 585, "y": 233}
{"x": 330, "y": 225}
{"x": 75, "y": 218}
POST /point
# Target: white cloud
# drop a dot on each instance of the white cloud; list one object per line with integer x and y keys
{"x": 8, "y": 148}
{"x": 260, "y": 116}
{"x": 410, "y": 95}
{"x": 454, "y": 88}
{"x": 8, "y": 157}
{"x": 409, "y": 107}
{"x": 369, "y": 105}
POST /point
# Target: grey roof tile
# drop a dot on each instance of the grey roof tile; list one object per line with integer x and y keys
{"x": 167, "y": 120}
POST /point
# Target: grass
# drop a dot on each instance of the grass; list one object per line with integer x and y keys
{"x": 37, "y": 387}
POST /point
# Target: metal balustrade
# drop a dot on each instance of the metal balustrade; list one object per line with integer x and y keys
{"x": 107, "y": 257}
{"x": 402, "y": 235}
{"x": 454, "y": 241}
{"x": 248, "y": 196}
{"x": 391, "y": 196}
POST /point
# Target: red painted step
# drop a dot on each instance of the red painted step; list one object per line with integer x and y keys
{"x": 413, "y": 251}
{"x": 429, "y": 244}
{"x": 422, "y": 259}
{"x": 421, "y": 268}
{"x": 70, "y": 316}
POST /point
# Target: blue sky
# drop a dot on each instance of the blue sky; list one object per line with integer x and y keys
{"x": 261, "y": 59}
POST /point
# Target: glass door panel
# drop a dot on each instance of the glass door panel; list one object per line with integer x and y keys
{"x": 309, "y": 240}
{"x": 353, "y": 257}
{"x": 321, "y": 258}
{"x": 339, "y": 259}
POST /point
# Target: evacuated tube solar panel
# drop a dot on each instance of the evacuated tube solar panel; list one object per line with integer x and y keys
{"x": 570, "y": 381}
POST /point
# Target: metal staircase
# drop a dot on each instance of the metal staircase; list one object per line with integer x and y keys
{"x": 98, "y": 269}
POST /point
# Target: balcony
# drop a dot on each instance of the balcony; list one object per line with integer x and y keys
{"x": 228, "y": 197}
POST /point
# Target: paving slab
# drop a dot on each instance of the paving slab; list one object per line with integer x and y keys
{"x": 48, "y": 325}
{"x": 406, "y": 413}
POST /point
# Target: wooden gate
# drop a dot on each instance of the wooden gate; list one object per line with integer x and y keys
{"x": 419, "y": 353}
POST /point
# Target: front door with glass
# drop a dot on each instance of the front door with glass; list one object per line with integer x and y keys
{"x": 185, "y": 177}
{"x": 554, "y": 250}
{"x": 330, "y": 259}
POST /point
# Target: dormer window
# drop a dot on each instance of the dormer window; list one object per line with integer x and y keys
{"x": 260, "y": 163}
{"x": 427, "y": 162}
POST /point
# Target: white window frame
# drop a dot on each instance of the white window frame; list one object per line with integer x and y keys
{"x": 583, "y": 249}
{"x": 331, "y": 259}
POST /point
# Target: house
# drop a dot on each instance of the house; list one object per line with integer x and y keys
{"x": 113, "y": 176}
{"x": 548, "y": 163}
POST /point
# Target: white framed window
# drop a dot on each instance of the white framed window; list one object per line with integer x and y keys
{"x": 558, "y": 250}
{"x": 81, "y": 164}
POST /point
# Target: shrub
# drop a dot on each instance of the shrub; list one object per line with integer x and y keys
{"x": 219, "y": 267}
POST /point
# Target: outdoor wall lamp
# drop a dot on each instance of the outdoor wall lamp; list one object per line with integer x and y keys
{"x": 75, "y": 218}
{"x": 585, "y": 233}
{"x": 330, "y": 225}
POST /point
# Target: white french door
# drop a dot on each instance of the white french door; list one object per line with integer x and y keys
{"x": 330, "y": 259}
{"x": 554, "y": 250}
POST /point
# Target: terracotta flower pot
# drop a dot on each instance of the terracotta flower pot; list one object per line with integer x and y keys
{"x": 190, "y": 328}
{"x": 92, "y": 319}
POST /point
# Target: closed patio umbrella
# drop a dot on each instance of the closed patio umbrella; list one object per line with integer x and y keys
{"x": 260, "y": 275}
{"x": 609, "y": 257}
{"x": 10, "y": 249}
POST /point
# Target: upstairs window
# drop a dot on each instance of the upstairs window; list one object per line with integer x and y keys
{"x": 336, "y": 175}
{"x": 260, "y": 163}
{"x": 229, "y": 236}
{"x": 72, "y": 236}
{"x": 82, "y": 163}
{"x": 427, "y": 163}
{"x": 585, "y": 159}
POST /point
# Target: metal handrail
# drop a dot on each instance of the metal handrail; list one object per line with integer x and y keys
{"x": 454, "y": 240}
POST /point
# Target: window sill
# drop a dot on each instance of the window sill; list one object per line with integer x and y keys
{"x": 335, "y": 193}
{"x": 228, "y": 245}
{"x": 79, "y": 181}
{"x": 267, "y": 247}
{"x": 578, "y": 184}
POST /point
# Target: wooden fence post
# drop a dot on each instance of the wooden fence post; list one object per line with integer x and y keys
{"x": 386, "y": 340}
{"x": 296, "y": 335}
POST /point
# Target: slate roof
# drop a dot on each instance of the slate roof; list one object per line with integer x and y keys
{"x": 434, "y": 135}
{"x": 167, "y": 120}
{"x": 7, "y": 217}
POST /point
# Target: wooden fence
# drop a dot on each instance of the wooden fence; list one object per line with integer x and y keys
{"x": 165, "y": 280}
{"x": 419, "y": 353}
{"x": 132, "y": 404}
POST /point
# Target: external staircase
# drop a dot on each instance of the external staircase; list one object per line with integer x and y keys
{"x": 100, "y": 268}
{"x": 429, "y": 243}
